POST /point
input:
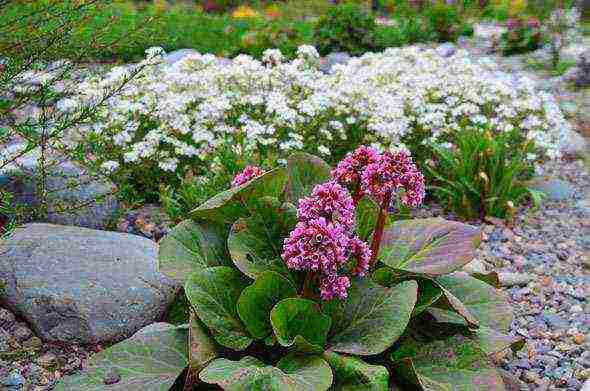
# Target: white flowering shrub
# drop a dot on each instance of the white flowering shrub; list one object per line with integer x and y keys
{"x": 173, "y": 118}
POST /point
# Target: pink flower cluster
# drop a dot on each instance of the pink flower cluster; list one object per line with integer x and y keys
{"x": 330, "y": 201}
{"x": 350, "y": 169}
{"x": 246, "y": 175}
{"x": 323, "y": 242}
{"x": 382, "y": 175}
{"x": 392, "y": 173}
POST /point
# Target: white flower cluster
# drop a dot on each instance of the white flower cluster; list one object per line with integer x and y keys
{"x": 176, "y": 115}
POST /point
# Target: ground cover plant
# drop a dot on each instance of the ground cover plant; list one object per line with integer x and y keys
{"x": 173, "y": 122}
{"x": 481, "y": 174}
{"x": 330, "y": 294}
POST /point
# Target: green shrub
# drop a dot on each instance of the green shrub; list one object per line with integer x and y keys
{"x": 446, "y": 21}
{"x": 522, "y": 36}
{"x": 270, "y": 35}
{"x": 258, "y": 323}
{"x": 346, "y": 28}
{"x": 482, "y": 175}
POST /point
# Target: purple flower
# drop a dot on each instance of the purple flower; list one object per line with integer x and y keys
{"x": 329, "y": 201}
{"x": 361, "y": 253}
{"x": 316, "y": 245}
{"x": 333, "y": 286}
{"x": 392, "y": 173}
{"x": 246, "y": 175}
{"x": 349, "y": 170}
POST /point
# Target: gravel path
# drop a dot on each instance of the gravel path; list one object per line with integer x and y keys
{"x": 550, "y": 248}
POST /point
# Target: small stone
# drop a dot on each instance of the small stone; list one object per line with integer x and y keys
{"x": 554, "y": 321}
{"x": 7, "y": 319}
{"x": 112, "y": 377}
{"x": 530, "y": 376}
{"x": 33, "y": 343}
{"x": 579, "y": 339}
{"x": 47, "y": 360}
{"x": 14, "y": 379}
{"x": 22, "y": 333}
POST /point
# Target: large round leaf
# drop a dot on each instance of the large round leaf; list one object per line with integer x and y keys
{"x": 455, "y": 363}
{"x": 151, "y": 360}
{"x": 305, "y": 171}
{"x": 255, "y": 243}
{"x": 191, "y": 246}
{"x": 484, "y": 302}
{"x": 228, "y": 206}
{"x": 292, "y": 373}
{"x": 353, "y": 374}
{"x": 372, "y": 318}
{"x": 214, "y": 293}
{"x": 300, "y": 322}
{"x": 257, "y": 300}
{"x": 432, "y": 246}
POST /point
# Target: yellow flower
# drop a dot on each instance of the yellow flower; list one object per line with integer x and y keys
{"x": 517, "y": 7}
{"x": 273, "y": 11}
{"x": 244, "y": 12}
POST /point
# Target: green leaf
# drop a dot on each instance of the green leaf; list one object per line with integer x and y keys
{"x": 214, "y": 293}
{"x": 151, "y": 360}
{"x": 491, "y": 341}
{"x": 372, "y": 318}
{"x": 255, "y": 243}
{"x": 300, "y": 322}
{"x": 452, "y": 364}
{"x": 228, "y": 206}
{"x": 292, "y": 373}
{"x": 191, "y": 246}
{"x": 428, "y": 293}
{"x": 352, "y": 374}
{"x": 432, "y": 246}
{"x": 305, "y": 172}
{"x": 257, "y": 300}
{"x": 484, "y": 302}
{"x": 367, "y": 212}
{"x": 201, "y": 347}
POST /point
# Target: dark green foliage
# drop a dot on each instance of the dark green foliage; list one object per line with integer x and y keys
{"x": 483, "y": 175}
{"x": 346, "y": 28}
{"x": 522, "y": 36}
{"x": 446, "y": 21}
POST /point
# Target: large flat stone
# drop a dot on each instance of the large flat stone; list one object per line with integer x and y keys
{"x": 80, "y": 285}
{"x": 74, "y": 196}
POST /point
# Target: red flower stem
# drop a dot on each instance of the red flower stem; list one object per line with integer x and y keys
{"x": 358, "y": 194}
{"x": 307, "y": 282}
{"x": 379, "y": 227}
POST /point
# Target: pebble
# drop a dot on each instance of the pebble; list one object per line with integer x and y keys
{"x": 22, "y": 333}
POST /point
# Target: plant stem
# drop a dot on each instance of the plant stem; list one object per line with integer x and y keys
{"x": 356, "y": 197}
{"x": 307, "y": 285}
{"x": 379, "y": 227}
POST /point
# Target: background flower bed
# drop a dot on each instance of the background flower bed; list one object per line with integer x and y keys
{"x": 203, "y": 118}
{"x": 176, "y": 25}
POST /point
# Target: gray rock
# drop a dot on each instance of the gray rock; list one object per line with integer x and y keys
{"x": 178, "y": 55}
{"x": 554, "y": 189}
{"x": 554, "y": 321}
{"x": 13, "y": 379}
{"x": 576, "y": 145}
{"x": 446, "y": 49}
{"x": 74, "y": 196}
{"x": 4, "y": 340}
{"x": 84, "y": 286}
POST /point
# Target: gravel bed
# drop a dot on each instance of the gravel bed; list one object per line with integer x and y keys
{"x": 549, "y": 250}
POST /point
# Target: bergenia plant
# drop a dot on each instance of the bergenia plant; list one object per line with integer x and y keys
{"x": 302, "y": 278}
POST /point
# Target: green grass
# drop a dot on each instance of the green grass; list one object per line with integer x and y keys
{"x": 122, "y": 30}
